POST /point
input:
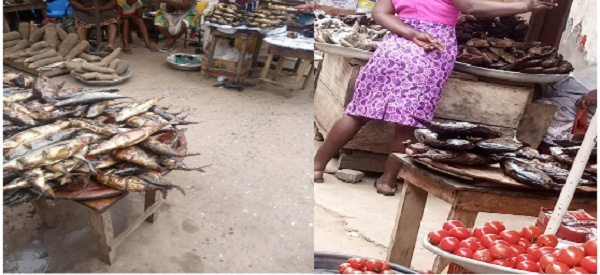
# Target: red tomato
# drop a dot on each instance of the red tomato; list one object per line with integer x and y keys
{"x": 538, "y": 254}
{"x": 496, "y": 225}
{"x": 478, "y": 232}
{"x": 488, "y": 239}
{"x": 374, "y": 265}
{"x": 578, "y": 270}
{"x": 464, "y": 252}
{"x": 525, "y": 243}
{"x": 531, "y": 232}
{"x": 426, "y": 272}
{"x": 470, "y": 244}
{"x": 386, "y": 265}
{"x": 351, "y": 270}
{"x": 473, "y": 239}
{"x": 500, "y": 251}
{"x": 571, "y": 256}
{"x": 591, "y": 247}
{"x": 556, "y": 253}
{"x": 556, "y": 268}
{"x": 387, "y": 272}
{"x": 580, "y": 247}
{"x": 449, "y": 244}
{"x": 510, "y": 236}
{"x": 343, "y": 267}
{"x": 527, "y": 266}
{"x": 532, "y": 249}
{"x": 436, "y": 237}
{"x": 370, "y": 272}
{"x": 483, "y": 256}
{"x": 547, "y": 259}
{"x": 517, "y": 249}
{"x": 590, "y": 264}
{"x": 502, "y": 242}
{"x": 547, "y": 240}
{"x": 502, "y": 263}
{"x": 460, "y": 233}
{"x": 356, "y": 263}
{"x": 452, "y": 224}
{"x": 524, "y": 257}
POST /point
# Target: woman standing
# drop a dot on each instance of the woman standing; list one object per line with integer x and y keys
{"x": 406, "y": 74}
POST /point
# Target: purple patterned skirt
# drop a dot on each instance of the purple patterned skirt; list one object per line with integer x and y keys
{"x": 402, "y": 79}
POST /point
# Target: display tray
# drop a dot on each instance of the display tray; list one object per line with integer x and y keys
{"x": 184, "y": 67}
{"x": 327, "y": 263}
{"x": 343, "y": 51}
{"x": 508, "y": 75}
{"x": 120, "y": 80}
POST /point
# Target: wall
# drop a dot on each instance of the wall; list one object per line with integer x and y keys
{"x": 579, "y": 40}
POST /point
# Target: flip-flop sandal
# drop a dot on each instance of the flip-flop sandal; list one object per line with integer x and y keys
{"x": 127, "y": 51}
{"x": 318, "y": 180}
{"x": 154, "y": 50}
{"x": 390, "y": 193}
{"x": 161, "y": 50}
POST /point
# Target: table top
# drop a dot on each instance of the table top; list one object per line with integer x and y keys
{"x": 482, "y": 186}
{"x": 24, "y": 6}
{"x": 100, "y": 205}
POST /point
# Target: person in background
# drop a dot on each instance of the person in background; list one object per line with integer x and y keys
{"x": 569, "y": 95}
{"x": 84, "y": 17}
{"x": 406, "y": 74}
{"x": 175, "y": 17}
{"x": 131, "y": 11}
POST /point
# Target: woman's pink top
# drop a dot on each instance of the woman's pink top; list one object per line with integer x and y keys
{"x": 436, "y": 11}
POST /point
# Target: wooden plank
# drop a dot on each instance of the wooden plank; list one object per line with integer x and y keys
{"x": 535, "y": 122}
{"x": 327, "y": 109}
{"x": 363, "y": 161}
{"x": 408, "y": 221}
{"x": 101, "y": 205}
{"x": 41, "y": 207}
{"x": 445, "y": 192}
{"x": 150, "y": 198}
{"x": 376, "y": 137}
{"x": 135, "y": 224}
{"x": 102, "y": 227}
{"x": 486, "y": 103}
{"x": 339, "y": 76}
{"x": 468, "y": 219}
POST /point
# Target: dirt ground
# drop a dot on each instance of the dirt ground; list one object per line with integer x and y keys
{"x": 353, "y": 219}
{"x": 251, "y": 211}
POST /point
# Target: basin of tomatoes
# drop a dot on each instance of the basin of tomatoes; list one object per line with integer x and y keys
{"x": 366, "y": 266}
{"x": 527, "y": 249}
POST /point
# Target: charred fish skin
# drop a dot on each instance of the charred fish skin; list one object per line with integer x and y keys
{"x": 430, "y": 138}
{"x": 76, "y": 94}
{"x": 495, "y": 147}
{"x": 528, "y": 174}
{"x": 464, "y": 158}
{"x": 459, "y": 129}
{"x": 89, "y": 98}
{"x": 136, "y": 109}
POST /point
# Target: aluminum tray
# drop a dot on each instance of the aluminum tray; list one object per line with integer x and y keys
{"x": 343, "y": 51}
{"x": 508, "y": 75}
{"x": 327, "y": 263}
{"x": 184, "y": 67}
{"x": 122, "y": 79}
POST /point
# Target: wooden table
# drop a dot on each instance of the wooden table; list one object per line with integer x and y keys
{"x": 245, "y": 35}
{"x": 102, "y": 223}
{"x": 307, "y": 58}
{"x": 25, "y": 6}
{"x": 467, "y": 199}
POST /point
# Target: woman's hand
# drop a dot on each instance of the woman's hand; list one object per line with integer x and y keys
{"x": 533, "y": 5}
{"x": 589, "y": 99}
{"x": 427, "y": 42}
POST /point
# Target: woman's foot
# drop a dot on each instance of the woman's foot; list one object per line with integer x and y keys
{"x": 169, "y": 45}
{"x": 152, "y": 48}
{"x": 386, "y": 187}
{"x": 127, "y": 50}
{"x": 108, "y": 49}
{"x": 318, "y": 177}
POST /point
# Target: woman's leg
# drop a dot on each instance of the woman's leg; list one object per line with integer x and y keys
{"x": 112, "y": 34}
{"x": 137, "y": 19}
{"x": 82, "y": 32}
{"x": 342, "y": 131}
{"x": 126, "y": 31}
{"x": 171, "y": 42}
{"x": 386, "y": 184}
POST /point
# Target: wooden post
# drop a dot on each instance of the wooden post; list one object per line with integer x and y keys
{"x": 242, "y": 58}
{"x": 44, "y": 211}
{"x": 150, "y": 199}
{"x": 408, "y": 221}
{"x": 305, "y": 64}
{"x": 278, "y": 68}
{"x": 102, "y": 227}
{"x": 211, "y": 55}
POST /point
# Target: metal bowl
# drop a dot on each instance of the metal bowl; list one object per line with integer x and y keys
{"x": 327, "y": 263}
{"x": 184, "y": 67}
{"x": 120, "y": 80}
{"x": 508, "y": 75}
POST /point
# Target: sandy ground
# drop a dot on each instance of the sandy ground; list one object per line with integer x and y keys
{"x": 252, "y": 211}
{"x": 353, "y": 219}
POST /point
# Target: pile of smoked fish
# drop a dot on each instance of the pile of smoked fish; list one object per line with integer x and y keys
{"x": 55, "y": 136}
{"x": 498, "y": 44}
{"x": 471, "y": 144}
{"x": 270, "y": 18}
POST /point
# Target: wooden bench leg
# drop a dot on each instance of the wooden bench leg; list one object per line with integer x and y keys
{"x": 278, "y": 68}
{"x": 150, "y": 199}
{"x": 211, "y": 56}
{"x": 468, "y": 219}
{"x": 309, "y": 75}
{"x": 102, "y": 227}
{"x": 408, "y": 221}
{"x": 44, "y": 211}
{"x": 241, "y": 60}
{"x": 303, "y": 67}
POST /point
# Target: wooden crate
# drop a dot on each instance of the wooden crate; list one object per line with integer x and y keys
{"x": 465, "y": 98}
{"x": 226, "y": 68}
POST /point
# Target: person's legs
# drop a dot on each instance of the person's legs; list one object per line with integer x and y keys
{"x": 171, "y": 42}
{"x": 112, "y": 34}
{"x": 342, "y": 131}
{"x": 126, "y": 31}
{"x": 137, "y": 19}
{"x": 386, "y": 184}
{"x": 82, "y": 32}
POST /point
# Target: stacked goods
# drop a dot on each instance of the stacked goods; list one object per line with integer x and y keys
{"x": 358, "y": 31}
{"x": 55, "y": 137}
{"x": 525, "y": 250}
{"x": 109, "y": 68}
{"x": 272, "y": 18}
{"x": 477, "y": 145}
{"x": 39, "y": 47}
{"x": 498, "y": 44}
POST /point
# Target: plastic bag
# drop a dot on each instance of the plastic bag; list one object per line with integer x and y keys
{"x": 580, "y": 125}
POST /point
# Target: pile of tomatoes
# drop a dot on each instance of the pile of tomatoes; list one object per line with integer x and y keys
{"x": 527, "y": 249}
{"x": 362, "y": 266}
